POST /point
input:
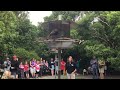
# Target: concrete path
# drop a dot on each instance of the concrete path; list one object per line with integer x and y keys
{"x": 78, "y": 77}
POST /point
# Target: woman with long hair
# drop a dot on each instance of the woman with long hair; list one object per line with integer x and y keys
{"x": 101, "y": 64}
{"x": 21, "y": 66}
{"x": 32, "y": 68}
{"x": 52, "y": 65}
{"x": 71, "y": 68}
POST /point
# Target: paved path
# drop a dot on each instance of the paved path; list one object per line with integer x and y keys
{"x": 78, "y": 77}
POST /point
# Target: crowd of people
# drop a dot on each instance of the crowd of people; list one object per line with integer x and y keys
{"x": 38, "y": 68}
{"x": 30, "y": 69}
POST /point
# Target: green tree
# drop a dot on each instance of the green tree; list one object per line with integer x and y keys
{"x": 66, "y": 15}
{"x": 26, "y": 55}
{"x": 7, "y": 30}
{"x": 100, "y": 30}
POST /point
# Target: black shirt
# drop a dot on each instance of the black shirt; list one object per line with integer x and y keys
{"x": 70, "y": 67}
{"x": 52, "y": 63}
{"x": 14, "y": 64}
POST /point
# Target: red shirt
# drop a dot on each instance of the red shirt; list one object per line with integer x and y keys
{"x": 26, "y": 67}
{"x": 62, "y": 65}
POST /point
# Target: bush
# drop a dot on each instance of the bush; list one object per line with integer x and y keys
{"x": 33, "y": 54}
{"x": 26, "y": 55}
{"x": 22, "y": 53}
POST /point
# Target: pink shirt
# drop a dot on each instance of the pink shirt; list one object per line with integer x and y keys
{"x": 46, "y": 64}
{"x": 37, "y": 67}
{"x": 21, "y": 66}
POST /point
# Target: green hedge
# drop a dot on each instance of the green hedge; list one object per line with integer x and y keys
{"x": 26, "y": 55}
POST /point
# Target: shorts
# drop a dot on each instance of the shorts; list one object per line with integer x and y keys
{"x": 37, "y": 72}
{"x": 56, "y": 68}
{"x": 71, "y": 76}
{"x": 32, "y": 70}
{"x": 101, "y": 70}
{"x": 52, "y": 67}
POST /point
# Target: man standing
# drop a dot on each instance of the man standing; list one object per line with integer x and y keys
{"x": 94, "y": 66}
{"x": 14, "y": 67}
{"x": 70, "y": 68}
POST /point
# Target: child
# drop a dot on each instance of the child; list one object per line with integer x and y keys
{"x": 21, "y": 66}
{"x": 26, "y": 69}
{"x": 37, "y": 68}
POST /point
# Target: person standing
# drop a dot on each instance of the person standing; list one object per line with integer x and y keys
{"x": 94, "y": 66}
{"x": 56, "y": 66}
{"x": 46, "y": 64}
{"x": 62, "y": 66}
{"x": 71, "y": 68}
{"x": 26, "y": 69}
{"x": 101, "y": 68}
{"x": 21, "y": 66}
{"x": 47, "y": 67}
{"x": 41, "y": 68}
{"x": 52, "y": 66}
{"x": 78, "y": 67}
{"x": 37, "y": 67}
{"x": 44, "y": 68}
{"x": 14, "y": 67}
{"x": 7, "y": 65}
{"x": 32, "y": 68}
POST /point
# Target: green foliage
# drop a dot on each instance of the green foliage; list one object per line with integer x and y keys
{"x": 33, "y": 54}
{"x": 74, "y": 34}
{"x": 43, "y": 51}
{"x": 22, "y": 53}
{"x": 26, "y": 55}
{"x": 97, "y": 49}
{"x": 66, "y": 15}
{"x": 101, "y": 38}
{"x": 7, "y": 30}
